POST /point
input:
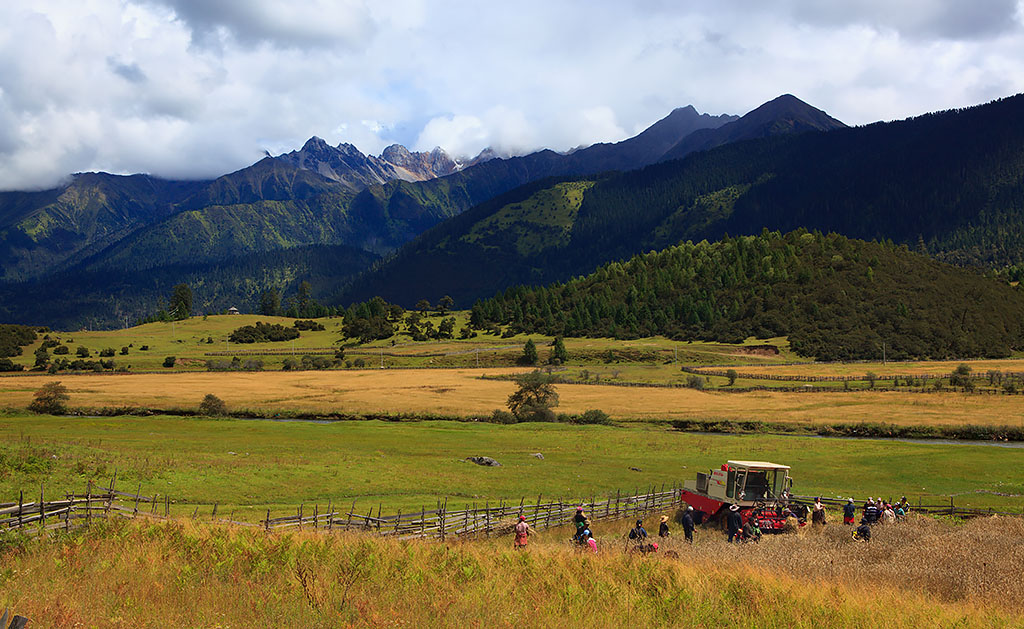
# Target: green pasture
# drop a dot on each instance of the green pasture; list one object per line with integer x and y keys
{"x": 249, "y": 466}
{"x": 190, "y": 341}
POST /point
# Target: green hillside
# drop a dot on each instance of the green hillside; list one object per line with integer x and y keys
{"x": 44, "y": 231}
{"x": 836, "y": 298}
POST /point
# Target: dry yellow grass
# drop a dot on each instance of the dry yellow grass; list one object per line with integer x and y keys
{"x": 460, "y": 392}
{"x": 921, "y": 574}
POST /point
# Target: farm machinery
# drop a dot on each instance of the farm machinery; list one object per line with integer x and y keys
{"x": 760, "y": 490}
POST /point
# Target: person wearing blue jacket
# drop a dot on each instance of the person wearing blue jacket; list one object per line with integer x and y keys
{"x": 849, "y": 512}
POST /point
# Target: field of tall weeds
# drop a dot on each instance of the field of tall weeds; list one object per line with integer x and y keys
{"x": 921, "y": 573}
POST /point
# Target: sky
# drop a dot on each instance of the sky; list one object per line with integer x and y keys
{"x": 198, "y": 88}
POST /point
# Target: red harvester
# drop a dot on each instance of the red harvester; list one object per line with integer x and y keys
{"x": 759, "y": 488}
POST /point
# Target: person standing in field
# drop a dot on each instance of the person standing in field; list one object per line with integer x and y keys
{"x": 580, "y": 520}
{"x": 849, "y": 512}
{"x": 734, "y": 522}
{"x": 663, "y": 527}
{"x": 818, "y": 513}
{"x": 688, "y": 524}
{"x": 522, "y": 533}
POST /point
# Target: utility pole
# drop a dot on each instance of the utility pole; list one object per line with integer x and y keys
{"x": 381, "y": 356}
{"x": 883, "y": 352}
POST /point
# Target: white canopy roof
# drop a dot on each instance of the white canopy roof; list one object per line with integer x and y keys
{"x": 758, "y": 465}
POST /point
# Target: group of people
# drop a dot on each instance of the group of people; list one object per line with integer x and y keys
{"x": 873, "y": 512}
{"x": 584, "y": 536}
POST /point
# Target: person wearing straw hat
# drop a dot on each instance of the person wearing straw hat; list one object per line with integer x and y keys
{"x": 734, "y": 522}
{"x": 663, "y": 527}
{"x": 522, "y": 531}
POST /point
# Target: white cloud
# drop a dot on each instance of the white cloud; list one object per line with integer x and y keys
{"x": 196, "y": 88}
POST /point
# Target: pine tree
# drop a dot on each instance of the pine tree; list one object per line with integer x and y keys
{"x": 529, "y": 356}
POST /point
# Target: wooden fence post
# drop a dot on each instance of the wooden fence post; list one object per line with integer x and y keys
{"x": 88, "y": 504}
{"x": 138, "y": 493}
{"x": 266, "y": 523}
{"x": 487, "y": 518}
{"x": 442, "y": 518}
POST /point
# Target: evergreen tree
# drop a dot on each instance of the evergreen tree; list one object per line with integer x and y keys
{"x": 180, "y": 305}
{"x": 558, "y": 351}
{"x": 529, "y": 356}
{"x": 270, "y": 302}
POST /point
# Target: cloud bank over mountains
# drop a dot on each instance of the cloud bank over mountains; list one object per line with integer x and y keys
{"x": 196, "y": 88}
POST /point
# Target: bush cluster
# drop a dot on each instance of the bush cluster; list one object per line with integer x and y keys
{"x": 262, "y": 333}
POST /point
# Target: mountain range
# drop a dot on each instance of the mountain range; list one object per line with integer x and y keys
{"x": 947, "y": 184}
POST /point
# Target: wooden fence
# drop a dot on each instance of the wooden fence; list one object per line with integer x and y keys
{"x": 75, "y": 510}
{"x": 71, "y": 511}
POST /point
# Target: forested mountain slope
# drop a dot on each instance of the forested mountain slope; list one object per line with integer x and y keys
{"x": 835, "y": 298}
{"x": 950, "y": 184}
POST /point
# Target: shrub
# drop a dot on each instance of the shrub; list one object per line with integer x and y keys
{"x": 82, "y": 351}
{"x": 290, "y": 364}
{"x": 310, "y": 325}
{"x": 502, "y": 417}
{"x": 263, "y": 332}
{"x": 169, "y": 361}
{"x": 694, "y": 382}
{"x": 124, "y": 351}
{"x": 731, "y": 375}
{"x": 594, "y": 416}
{"x": 213, "y": 406}
{"x": 51, "y": 399}
{"x": 61, "y": 350}
{"x": 107, "y": 352}
{"x": 253, "y": 364}
{"x": 359, "y": 363}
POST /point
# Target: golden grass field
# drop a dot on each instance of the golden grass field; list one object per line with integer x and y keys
{"x": 460, "y": 392}
{"x": 921, "y": 573}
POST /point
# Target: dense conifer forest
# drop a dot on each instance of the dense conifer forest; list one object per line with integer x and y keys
{"x": 836, "y": 298}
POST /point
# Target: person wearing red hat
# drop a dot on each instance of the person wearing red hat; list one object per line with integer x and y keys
{"x": 522, "y": 532}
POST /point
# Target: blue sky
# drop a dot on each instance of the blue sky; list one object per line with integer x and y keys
{"x": 197, "y": 88}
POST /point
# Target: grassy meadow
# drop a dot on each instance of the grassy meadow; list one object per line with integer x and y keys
{"x": 191, "y": 340}
{"x": 920, "y": 573}
{"x": 248, "y": 466}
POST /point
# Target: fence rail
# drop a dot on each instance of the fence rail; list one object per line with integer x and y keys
{"x": 74, "y": 510}
{"x": 71, "y": 511}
